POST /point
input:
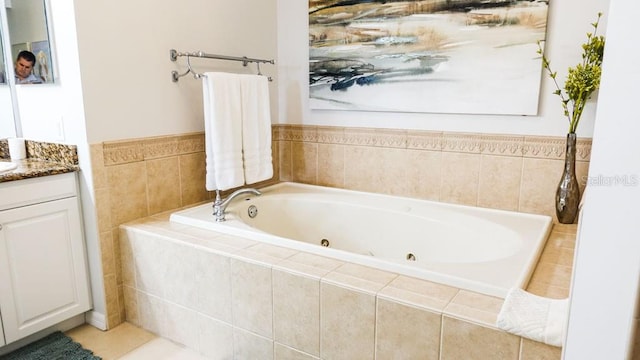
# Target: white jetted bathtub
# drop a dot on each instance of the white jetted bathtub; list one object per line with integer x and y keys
{"x": 482, "y": 250}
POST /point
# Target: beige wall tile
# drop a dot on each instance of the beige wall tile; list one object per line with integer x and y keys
{"x": 540, "y": 179}
{"x": 103, "y": 209}
{"x": 296, "y": 311}
{"x": 362, "y": 168}
{"x": 376, "y": 169}
{"x": 249, "y": 346}
{"x": 331, "y": 165}
{"x": 127, "y": 260}
{"x": 151, "y": 260}
{"x": 471, "y": 306}
{"x": 547, "y": 290}
{"x": 215, "y": 337}
{"x": 338, "y": 307}
{"x": 418, "y": 293}
{"x": 181, "y": 276}
{"x": 360, "y": 278}
{"x": 98, "y": 169}
{"x": 251, "y": 297}
{"x": 121, "y": 304}
{"x": 283, "y": 352}
{"x": 499, "y": 185}
{"x": 115, "y": 238}
{"x": 107, "y": 254}
{"x": 111, "y": 297}
{"x": 305, "y": 162}
{"x": 275, "y": 155}
{"x": 192, "y": 178}
{"x": 151, "y": 312}
{"x": 552, "y": 274}
{"x": 131, "y": 305}
{"x": 463, "y": 340}
{"x": 533, "y": 350}
{"x": 423, "y": 169}
{"x": 393, "y": 172}
{"x": 128, "y": 192}
{"x": 214, "y": 286}
{"x": 309, "y": 265}
{"x": 459, "y": 178}
{"x": 285, "y": 161}
{"x": 180, "y": 325}
{"x": 163, "y": 184}
{"x": 406, "y": 332}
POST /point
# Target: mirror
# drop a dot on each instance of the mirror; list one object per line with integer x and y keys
{"x": 7, "y": 124}
{"x": 28, "y": 32}
{"x": 24, "y": 27}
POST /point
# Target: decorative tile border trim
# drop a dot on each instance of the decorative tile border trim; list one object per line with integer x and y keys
{"x": 425, "y": 140}
{"x": 541, "y": 147}
{"x": 122, "y": 152}
{"x": 128, "y": 151}
{"x": 506, "y": 145}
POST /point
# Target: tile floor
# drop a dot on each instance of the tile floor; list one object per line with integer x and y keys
{"x": 129, "y": 342}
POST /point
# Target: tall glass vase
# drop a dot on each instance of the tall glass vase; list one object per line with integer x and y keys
{"x": 568, "y": 192}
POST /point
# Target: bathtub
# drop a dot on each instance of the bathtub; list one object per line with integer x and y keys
{"x": 477, "y": 249}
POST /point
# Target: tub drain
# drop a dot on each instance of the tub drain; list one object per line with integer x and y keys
{"x": 324, "y": 242}
{"x": 411, "y": 257}
{"x": 252, "y": 211}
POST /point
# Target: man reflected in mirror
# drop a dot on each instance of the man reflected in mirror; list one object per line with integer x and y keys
{"x": 25, "y": 62}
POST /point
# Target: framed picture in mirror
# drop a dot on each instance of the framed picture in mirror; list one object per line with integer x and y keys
{"x": 43, "y": 61}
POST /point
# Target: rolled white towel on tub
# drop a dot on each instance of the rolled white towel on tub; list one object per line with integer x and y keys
{"x": 534, "y": 317}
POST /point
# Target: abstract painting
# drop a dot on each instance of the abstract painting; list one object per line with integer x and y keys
{"x": 431, "y": 56}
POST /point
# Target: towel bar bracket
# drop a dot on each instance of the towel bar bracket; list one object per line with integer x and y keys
{"x": 174, "y": 54}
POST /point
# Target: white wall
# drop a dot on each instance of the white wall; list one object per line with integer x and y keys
{"x": 569, "y": 21}
{"x": 607, "y": 266}
{"x": 126, "y": 71}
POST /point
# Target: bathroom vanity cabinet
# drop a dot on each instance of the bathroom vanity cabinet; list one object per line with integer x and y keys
{"x": 43, "y": 267}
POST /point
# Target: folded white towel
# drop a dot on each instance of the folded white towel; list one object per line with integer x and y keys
{"x": 256, "y": 128}
{"x": 223, "y": 131}
{"x": 534, "y": 317}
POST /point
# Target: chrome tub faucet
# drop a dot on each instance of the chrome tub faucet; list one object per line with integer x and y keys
{"x": 219, "y": 206}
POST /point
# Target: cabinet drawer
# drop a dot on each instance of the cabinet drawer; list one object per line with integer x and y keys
{"x": 19, "y": 193}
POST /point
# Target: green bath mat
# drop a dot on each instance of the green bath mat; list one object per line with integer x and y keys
{"x": 56, "y": 346}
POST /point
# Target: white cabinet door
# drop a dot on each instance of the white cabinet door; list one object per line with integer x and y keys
{"x": 43, "y": 277}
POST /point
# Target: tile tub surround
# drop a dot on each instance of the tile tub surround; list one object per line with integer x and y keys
{"x": 250, "y": 300}
{"x": 137, "y": 178}
{"x": 508, "y": 172}
{"x": 140, "y": 177}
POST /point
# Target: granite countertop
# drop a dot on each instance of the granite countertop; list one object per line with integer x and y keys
{"x": 31, "y": 168}
{"x": 43, "y": 159}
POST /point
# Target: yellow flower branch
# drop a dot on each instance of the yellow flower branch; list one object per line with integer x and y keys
{"x": 582, "y": 80}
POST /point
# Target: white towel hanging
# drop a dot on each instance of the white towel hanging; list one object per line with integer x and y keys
{"x": 256, "y": 128}
{"x": 223, "y": 131}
